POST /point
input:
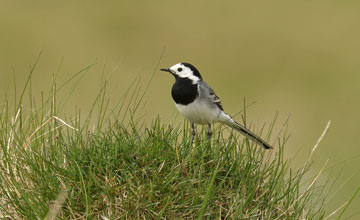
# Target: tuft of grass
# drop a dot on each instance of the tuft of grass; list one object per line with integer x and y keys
{"x": 54, "y": 167}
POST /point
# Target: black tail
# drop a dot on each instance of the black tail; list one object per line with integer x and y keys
{"x": 248, "y": 133}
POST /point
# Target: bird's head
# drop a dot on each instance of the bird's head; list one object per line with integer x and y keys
{"x": 184, "y": 70}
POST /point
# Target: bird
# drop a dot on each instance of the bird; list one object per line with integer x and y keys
{"x": 199, "y": 104}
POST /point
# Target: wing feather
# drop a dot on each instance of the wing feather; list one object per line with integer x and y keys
{"x": 205, "y": 91}
{"x": 216, "y": 99}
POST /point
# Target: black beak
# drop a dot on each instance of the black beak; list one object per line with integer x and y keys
{"x": 166, "y": 70}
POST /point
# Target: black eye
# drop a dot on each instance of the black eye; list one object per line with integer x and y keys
{"x": 179, "y": 69}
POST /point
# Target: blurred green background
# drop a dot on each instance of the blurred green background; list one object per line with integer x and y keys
{"x": 300, "y": 58}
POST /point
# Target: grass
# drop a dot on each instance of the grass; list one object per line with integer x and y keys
{"x": 117, "y": 167}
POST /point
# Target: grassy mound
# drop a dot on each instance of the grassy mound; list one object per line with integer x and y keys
{"x": 122, "y": 172}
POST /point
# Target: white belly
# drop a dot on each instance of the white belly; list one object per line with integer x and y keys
{"x": 199, "y": 112}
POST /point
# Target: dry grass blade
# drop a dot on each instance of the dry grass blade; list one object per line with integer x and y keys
{"x": 28, "y": 140}
{"x": 319, "y": 140}
{"x": 11, "y": 136}
{"x": 55, "y": 207}
{"x": 334, "y": 212}
{"x": 316, "y": 145}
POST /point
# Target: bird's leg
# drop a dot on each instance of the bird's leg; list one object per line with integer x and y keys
{"x": 209, "y": 132}
{"x": 193, "y": 132}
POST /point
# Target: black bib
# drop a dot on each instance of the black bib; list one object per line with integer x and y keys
{"x": 183, "y": 91}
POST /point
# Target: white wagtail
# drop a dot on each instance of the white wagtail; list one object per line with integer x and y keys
{"x": 197, "y": 101}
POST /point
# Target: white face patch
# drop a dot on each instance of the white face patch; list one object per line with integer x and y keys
{"x": 184, "y": 72}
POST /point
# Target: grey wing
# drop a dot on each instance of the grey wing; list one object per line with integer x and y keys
{"x": 208, "y": 90}
{"x": 216, "y": 99}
